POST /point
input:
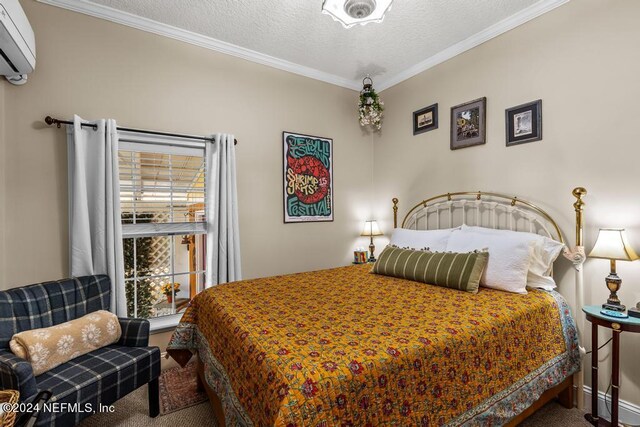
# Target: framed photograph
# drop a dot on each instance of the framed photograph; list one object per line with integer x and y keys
{"x": 524, "y": 123}
{"x": 425, "y": 119}
{"x": 308, "y": 178}
{"x": 469, "y": 124}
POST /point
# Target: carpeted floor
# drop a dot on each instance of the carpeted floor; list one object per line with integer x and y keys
{"x": 178, "y": 387}
{"x": 552, "y": 415}
{"x": 132, "y": 412}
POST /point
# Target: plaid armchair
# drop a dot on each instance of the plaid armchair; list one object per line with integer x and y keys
{"x": 100, "y": 377}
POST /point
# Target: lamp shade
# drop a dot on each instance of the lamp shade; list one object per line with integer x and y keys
{"x": 371, "y": 229}
{"x": 612, "y": 244}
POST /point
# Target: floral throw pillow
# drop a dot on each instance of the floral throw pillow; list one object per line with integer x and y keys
{"x": 47, "y": 348}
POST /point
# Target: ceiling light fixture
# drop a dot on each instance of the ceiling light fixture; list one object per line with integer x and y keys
{"x": 352, "y": 12}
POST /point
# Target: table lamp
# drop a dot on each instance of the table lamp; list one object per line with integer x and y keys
{"x": 612, "y": 245}
{"x": 371, "y": 229}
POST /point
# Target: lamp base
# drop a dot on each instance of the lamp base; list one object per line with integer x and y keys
{"x": 614, "y": 307}
{"x": 372, "y": 249}
{"x": 634, "y": 312}
{"x": 613, "y": 282}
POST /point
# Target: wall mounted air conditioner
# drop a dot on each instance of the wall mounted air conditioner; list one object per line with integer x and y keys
{"x": 17, "y": 43}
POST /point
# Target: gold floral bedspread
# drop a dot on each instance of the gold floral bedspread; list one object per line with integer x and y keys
{"x": 347, "y": 347}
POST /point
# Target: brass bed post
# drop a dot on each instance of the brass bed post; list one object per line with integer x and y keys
{"x": 578, "y": 192}
{"x": 395, "y": 212}
{"x": 577, "y": 257}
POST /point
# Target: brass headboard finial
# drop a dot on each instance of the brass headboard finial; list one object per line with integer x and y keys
{"x": 395, "y": 212}
{"x": 578, "y": 193}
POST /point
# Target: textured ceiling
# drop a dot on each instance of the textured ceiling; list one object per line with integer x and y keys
{"x": 296, "y": 31}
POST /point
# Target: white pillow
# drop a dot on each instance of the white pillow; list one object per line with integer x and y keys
{"x": 435, "y": 240}
{"x": 544, "y": 256}
{"x": 509, "y": 257}
{"x": 545, "y": 251}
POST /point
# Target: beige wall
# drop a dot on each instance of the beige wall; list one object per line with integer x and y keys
{"x": 98, "y": 69}
{"x": 582, "y": 60}
{"x": 161, "y": 340}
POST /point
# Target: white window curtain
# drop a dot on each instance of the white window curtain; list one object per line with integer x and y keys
{"x": 223, "y": 236}
{"x": 95, "y": 228}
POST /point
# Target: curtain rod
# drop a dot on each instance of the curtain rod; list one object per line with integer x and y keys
{"x": 51, "y": 121}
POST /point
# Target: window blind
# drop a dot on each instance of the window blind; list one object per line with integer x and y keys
{"x": 162, "y": 188}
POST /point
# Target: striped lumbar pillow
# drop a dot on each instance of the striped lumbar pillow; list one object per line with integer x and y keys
{"x": 460, "y": 271}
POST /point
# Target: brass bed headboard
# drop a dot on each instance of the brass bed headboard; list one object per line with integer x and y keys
{"x": 485, "y": 209}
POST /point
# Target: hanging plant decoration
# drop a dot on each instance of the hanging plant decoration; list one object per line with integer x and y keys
{"x": 370, "y": 106}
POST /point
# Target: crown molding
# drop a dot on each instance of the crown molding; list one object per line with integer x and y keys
{"x": 125, "y": 18}
{"x": 513, "y": 21}
{"x": 151, "y": 26}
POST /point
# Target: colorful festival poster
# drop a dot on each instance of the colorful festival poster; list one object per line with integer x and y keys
{"x": 308, "y": 178}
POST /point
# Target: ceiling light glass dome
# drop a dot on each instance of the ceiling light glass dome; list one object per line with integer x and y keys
{"x": 352, "y": 12}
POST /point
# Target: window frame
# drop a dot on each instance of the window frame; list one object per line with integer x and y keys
{"x": 141, "y": 143}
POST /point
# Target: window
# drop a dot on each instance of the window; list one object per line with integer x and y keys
{"x": 162, "y": 202}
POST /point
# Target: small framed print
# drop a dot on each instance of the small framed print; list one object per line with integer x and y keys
{"x": 524, "y": 123}
{"x": 469, "y": 124}
{"x": 425, "y": 119}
